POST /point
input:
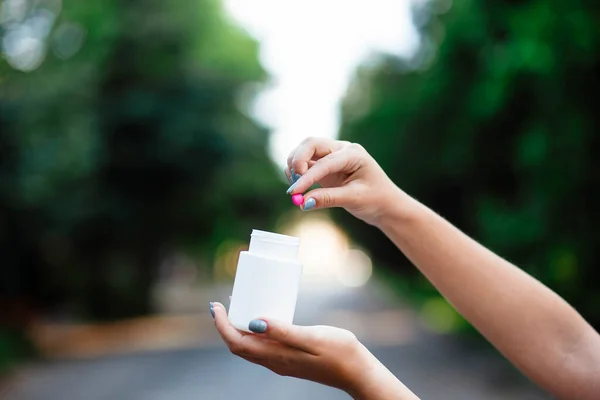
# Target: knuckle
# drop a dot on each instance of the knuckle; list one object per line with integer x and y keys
{"x": 349, "y": 336}
{"x": 310, "y": 139}
{"x": 348, "y": 340}
{"x": 356, "y": 148}
{"x": 327, "y": 199}
{"x": 284, "y": 333}
{"x": 345, "y": 336}
{"x": 356, "y": 155}
{"x": 328, "y": 162}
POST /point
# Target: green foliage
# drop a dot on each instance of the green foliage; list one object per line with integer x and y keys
{"x": 13, "y": 346}
{"x": 495, "y": 127}
{"x": 136, "y": 147}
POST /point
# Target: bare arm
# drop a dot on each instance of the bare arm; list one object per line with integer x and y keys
{"x": 531, "y": 325}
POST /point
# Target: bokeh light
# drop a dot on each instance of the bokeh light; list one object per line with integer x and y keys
{"x": 439, "y": 316}
{"x": 28, "y": 29}
{"x": 323, "y": 247}
{"x": 356, "y": 270}
{"x": 67, "y": 40}
{"x": 325, "y": 251}
{"x": 226, "y": 259}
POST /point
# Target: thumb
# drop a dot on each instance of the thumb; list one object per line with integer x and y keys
{"x": 300, "y": 337}
{"x": 326, "y": 198}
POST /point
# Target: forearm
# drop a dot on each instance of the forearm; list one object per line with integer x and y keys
{"x": 373, "y": 381}
{"x": 532, "y": 326}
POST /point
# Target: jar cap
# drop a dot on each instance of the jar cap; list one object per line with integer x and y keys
{"x": 274, "y": 245}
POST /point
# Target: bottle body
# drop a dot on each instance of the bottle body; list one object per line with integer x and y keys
{"x": 267, "y": 280}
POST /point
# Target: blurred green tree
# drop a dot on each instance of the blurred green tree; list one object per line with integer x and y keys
{"x": 494, "y": 125}
{"x": 136, "y": 146}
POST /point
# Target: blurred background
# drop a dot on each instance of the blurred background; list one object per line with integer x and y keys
{"x": 142, "y": 141}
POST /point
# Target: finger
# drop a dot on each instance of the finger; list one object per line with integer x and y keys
{"x": 233, "y": 337}
{"x": 291, "y": 175}
{"x": 288, "y": 175}
{"x": 296, "y": 336}
{"x": 311, "y": 149}
{"x": 327, "y": 198}
{"x": 290, "y": 157}
{"x": 331, "y": 164}
{"x": 226, "y": 319}
{"x": 245, "y": 344}
{"x": 228, "y": 333}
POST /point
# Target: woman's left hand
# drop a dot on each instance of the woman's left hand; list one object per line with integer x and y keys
{"x": 323, "y": 354}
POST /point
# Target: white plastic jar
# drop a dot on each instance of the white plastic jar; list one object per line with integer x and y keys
{"x": 267, "y": 280}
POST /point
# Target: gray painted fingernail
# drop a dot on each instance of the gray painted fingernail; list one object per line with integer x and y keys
{"x": 257, "y": 326}
{"x": 296, "y": 177}
{"x": 309, "y": 204}
{"x": 292, "y": 187}
{"x": 212, "y": 310}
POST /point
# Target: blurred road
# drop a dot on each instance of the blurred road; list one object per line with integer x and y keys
{"x": 195, "y": 365}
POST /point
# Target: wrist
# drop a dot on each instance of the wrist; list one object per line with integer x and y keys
{"x": 397, "y": 208}
{"x": 364, "y": 373}
{"x": 373, "y": 381}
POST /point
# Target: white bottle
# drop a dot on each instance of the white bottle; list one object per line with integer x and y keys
{"x": 267, "y": 280}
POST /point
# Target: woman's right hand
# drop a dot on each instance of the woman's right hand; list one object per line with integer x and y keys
{"x": 349, "y": 178}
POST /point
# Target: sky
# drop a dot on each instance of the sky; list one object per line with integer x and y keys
{"x": 311, "y": 49}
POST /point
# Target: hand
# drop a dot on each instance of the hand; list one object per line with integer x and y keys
{"x": 323, "y": 354}
{"x": 349, "y": 177}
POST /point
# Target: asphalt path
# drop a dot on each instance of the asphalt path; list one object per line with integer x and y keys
{"x": 434, "y": 366}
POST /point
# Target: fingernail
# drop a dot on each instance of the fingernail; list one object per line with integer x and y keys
{"x": 257, "y": 326}
{"x": 309, "y": 204}
{"x": 292, "y": 187}
{"x": 212, "y": 310}
{"x": 290, "y": 178}
{"x": 296, "y": 177}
